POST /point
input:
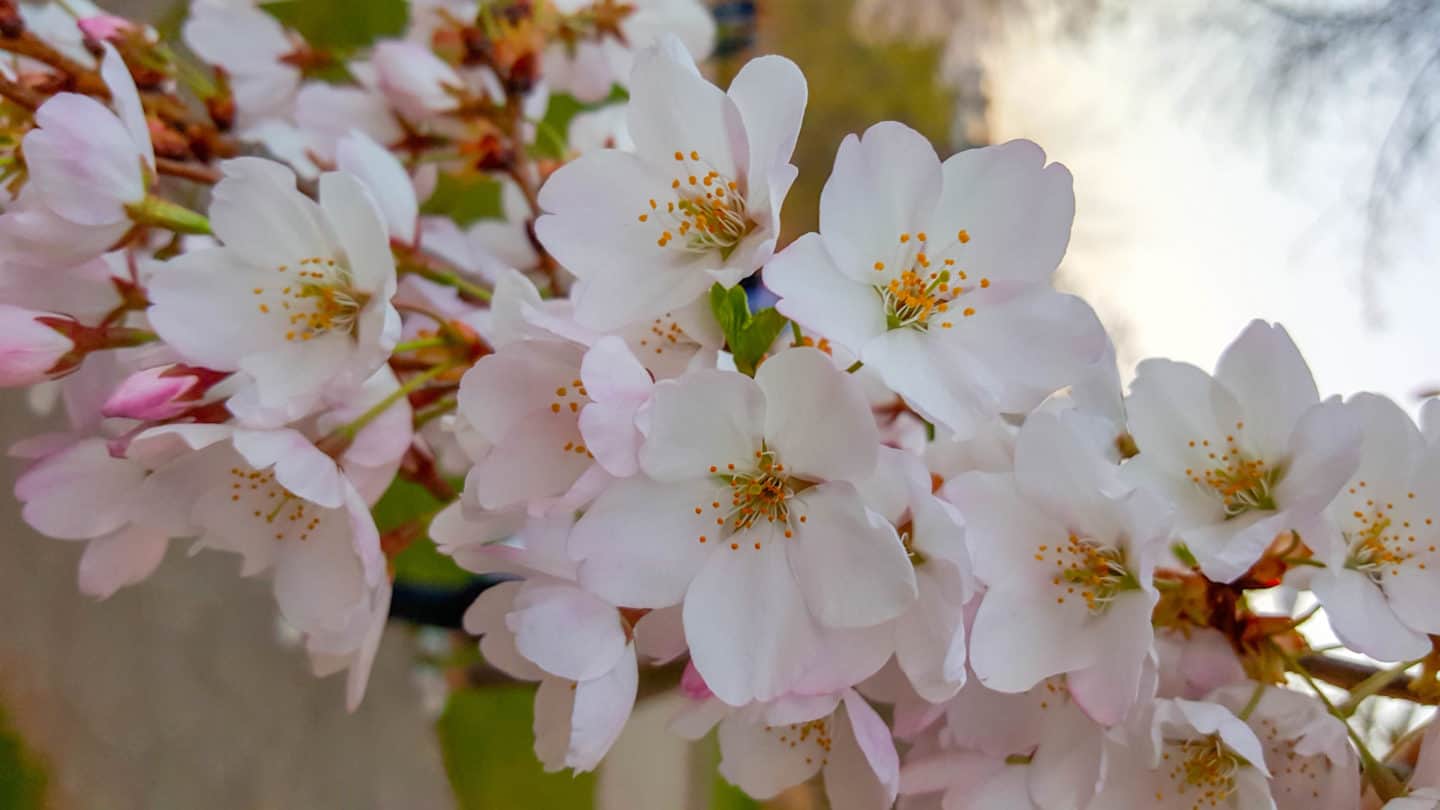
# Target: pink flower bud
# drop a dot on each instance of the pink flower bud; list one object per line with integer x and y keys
{"x": 102, "y": 27}
{"x": 159, "y": 393}
{"x": 29, "y": 350}
{"x": 692, "y": 683}
{"x": 151, "y": 394}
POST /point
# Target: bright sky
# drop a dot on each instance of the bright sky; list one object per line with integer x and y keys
{"x": 1186, "y": 228}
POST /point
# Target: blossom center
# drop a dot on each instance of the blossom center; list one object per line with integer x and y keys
{"x": 315, "y": 298}
{"x": 708, "y": 212}
{"x": 759, "y": 493}
{"x": 570, "y": 397}
{"x": 1203, "y": 765}
{"x": 814, "y": 734}
{"x": 1242, "y": 481}
{"x": 918, "y": 286}
{"x": 1087, "y": 570}
{"x": 273, "y": 505}
{"x": 1381, "y": 537}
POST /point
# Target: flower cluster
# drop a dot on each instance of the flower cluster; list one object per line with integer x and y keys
{"x": 904, "y": 531}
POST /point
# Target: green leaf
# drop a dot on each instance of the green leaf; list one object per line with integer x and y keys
{"x": 467, "y": 199}
{"x": 341, "y": 25}
{"x": 421, "y": 563}
{"x": 485, "y": 738}
{"x": 749, "y": 336}
{"x": 554, "y": 128}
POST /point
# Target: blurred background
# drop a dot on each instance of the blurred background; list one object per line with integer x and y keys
{"x": 1233, "y": 159}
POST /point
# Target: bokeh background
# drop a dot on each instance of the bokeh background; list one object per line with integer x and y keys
{"x": 1232, "y": 158}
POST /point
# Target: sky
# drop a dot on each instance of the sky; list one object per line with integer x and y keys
{"x": 1192, "y": 220}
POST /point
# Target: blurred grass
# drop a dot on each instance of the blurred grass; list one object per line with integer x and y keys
{"x": 486, "y": 737}
{"x": 22, "y": 777}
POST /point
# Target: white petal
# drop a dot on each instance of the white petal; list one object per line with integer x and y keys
{"x": 850, "y": 564}
{"x": 1363, "y": 619}
{"x": 884, "y": 183}
{"x": 817, "y": 417}
{"x": 705, "y": 419}
{"x": 1015, "y": 209}
{"x": 760, "y": 760}
{"x": 566, "y": 631}
{"x": 816, "y": 295}
{"x": 360, "y": 229}
{"x": 640, "y": 540}
{"x": 1269, "y": 378}
{"x": 750, "y": 633}
{"x": 123, "y": 558}
{"x": 601, "y": 708}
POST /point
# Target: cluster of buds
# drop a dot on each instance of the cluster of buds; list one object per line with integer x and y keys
{"x": 885, "y": 464}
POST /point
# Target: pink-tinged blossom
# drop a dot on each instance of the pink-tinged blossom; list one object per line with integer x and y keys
{"x": 589, "y": 69}
{"x": 298, "y": 298}
{"x": 698, "y": 200}
{"x": 1381, "y": 543}
{"x": 1312, "y": 764}
{"x": 416, "y": 82}
{"x": 29, "y": 350}
{"x": 1244, "y": 455}
{"x": 938, "y": 275}
{"x": 88, "y": 165}
{"x": 160, "y": 392}
{"x": 747, "y": 512}
{"x": 849, "y": 745}
{"x": 1066, "y": 553}
{"x": 1185, "y": 754}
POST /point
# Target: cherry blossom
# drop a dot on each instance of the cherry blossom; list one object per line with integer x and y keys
{"x": 298, "y": 297}
{"x": 698, "y": 201}
{"x": 747, "y": 513}
{"x": 938, "y": 275}
{"x": 1244, "y": 455}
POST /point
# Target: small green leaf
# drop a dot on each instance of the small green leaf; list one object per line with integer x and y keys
{"x": 485, "y": 737}
{"x": 748, "y": 336}
{"x": 22, "y": 776}
{"x": 341, "y": 25}
{"x": 466, "y": 199}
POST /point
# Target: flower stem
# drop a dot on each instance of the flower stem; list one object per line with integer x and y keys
{"x": 1253, "y": 702}
{"x": 420, "y": 343}
{"x": 799, "y": 336}
{"x": 162, "y": 213}
{"x": 349, "y": 430}
{"x": 1372, "y": 685}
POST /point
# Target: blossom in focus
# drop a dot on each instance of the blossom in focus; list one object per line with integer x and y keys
{"x": 747, "y": 512}
{"x": 697, "y": 202}
{"x": 938, "y": 275}
{"x": 1066, "y": 553}
{"x": 1244, "y": 455}
{"x": 298, "y": 297}
{"x": 1379, "y": 585}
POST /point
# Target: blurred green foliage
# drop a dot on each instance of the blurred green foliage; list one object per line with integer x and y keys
{"x": 465, "y": 198}
{"x": 420, "y": 562}
{"x": 341, "y": 25}
{"x": 22, "y": 778}
{"x": 486, "y": 737}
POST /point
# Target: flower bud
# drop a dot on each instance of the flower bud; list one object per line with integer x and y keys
{"x": 103, "y": 27}
{"x": 157, "y": 393}
{"x": 30, "y": 351}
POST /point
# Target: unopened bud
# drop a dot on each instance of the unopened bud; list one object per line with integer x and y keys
{"x": 30, "y": 350}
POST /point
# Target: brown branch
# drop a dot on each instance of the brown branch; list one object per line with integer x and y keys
{"x": 20, "y": 95}
{"x": 82, "y": 78}
{"x": 189, "y": 171}
{"x": 1349, "y": 674}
